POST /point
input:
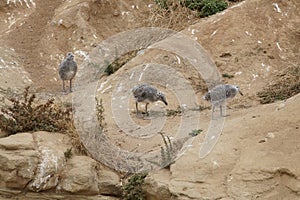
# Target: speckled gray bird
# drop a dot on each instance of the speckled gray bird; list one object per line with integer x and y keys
{"x": 220, "y": 93}
{"x": 147, "y": 94}
{"x": 67, "y": 70}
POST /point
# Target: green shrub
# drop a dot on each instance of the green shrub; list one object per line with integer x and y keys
{"x": 205, "y": 7}
{"x": 211, "y": 7}
{"x": 133, "y": 190}
{"x": 23, "y": 114}
{"x": 192, "y": 4}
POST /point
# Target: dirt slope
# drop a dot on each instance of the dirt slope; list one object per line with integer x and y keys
{"x": 251, "y": 41}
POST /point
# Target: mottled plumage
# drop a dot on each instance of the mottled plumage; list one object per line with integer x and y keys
{"x": 220, "y": 93}
{"x": 147, "y": 94}
{"x": 67, "y": 70}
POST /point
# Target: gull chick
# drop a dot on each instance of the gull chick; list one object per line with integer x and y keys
{"x": 67, "y": 70}
{"x": 147, "y": 94}
{"x": 220, "y": 93}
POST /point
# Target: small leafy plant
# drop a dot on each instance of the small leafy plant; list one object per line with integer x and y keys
{"x": 168, "y": 151}
{"x": 175, "y": 112}
{"x": 132, "y": 190}
{"x": 167, "y": 154}
{"x": 195, "y": 132}
{"x": 68, "y": 153}
{"x": 226, "y": 75}
{"x": 205, "y": 7}
{"x": 100, "y": 113}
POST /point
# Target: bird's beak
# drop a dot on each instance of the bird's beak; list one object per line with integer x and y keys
{"x": 165, "y": 102}
{"x": 241, "y": 93}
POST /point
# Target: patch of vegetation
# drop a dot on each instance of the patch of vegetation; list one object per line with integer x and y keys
{"x": 119, "y": 62}
{"x": 68, "y": 153}
{"x": 132, "y": 190}
{"x": 23, "y": 114}
{"x": 205, "y": 8}
{"x": 285, "y": 85}
{"x": 167, "y": 156}
{"x": 170, "y": 14}
{"x": 175, "y": 112}
{"x": 211, "y": 7}
{"x": 178, "y": 14}
{"x": 226, "y": 75}
{"x": 195, "y": 132}
{"x": 167, "y": 153}
{"x": 100, "y": 113}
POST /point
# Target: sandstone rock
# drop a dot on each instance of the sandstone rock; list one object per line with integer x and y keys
{"x": 239, "y": 167}
{"x": 80, "y": 176}
{"x": 8, "y": 194}
{"x": 37, "y": 161}
{"x": 18, "y": 160}
{"x": 109, "y": 183}
{"x": 51, "y": 148}
{"x": 157, "y": 190}
{"x": 18, "y": 141}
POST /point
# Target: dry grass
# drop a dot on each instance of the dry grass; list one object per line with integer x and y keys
{"x": 176, "y": 17}
{"x": 25, "y": 113}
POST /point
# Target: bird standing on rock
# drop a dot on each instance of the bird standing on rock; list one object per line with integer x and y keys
{"x": 220, "y": 93}
{"x": 147, "y": 94}
{"x": 67, "y": 70}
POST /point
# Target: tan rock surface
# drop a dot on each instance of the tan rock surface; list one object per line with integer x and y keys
{"x": 109, "y": 183}
{"x": 258, "y": 152}
{"x": 241, "y": 166}
{"x": 18, "y": 160}
{"x": 36, "y": 162}
{"x": 51, "y": 147}
{"x": 80, "y": 176}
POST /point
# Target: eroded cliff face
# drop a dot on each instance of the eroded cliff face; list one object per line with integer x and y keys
{"x": 36, "y": 162}
{"x": 258, "y": 152}
{"x": 255, "y": 158}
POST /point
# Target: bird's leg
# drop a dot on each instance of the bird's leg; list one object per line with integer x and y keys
{"x": 147, "y": 109}
{"x": 221, "y": 113}
{"x": 71, "y": 85}
{"x": 136, "y": 107}
{"x": 213, "y": 111}
{"x": 63, "y": 86}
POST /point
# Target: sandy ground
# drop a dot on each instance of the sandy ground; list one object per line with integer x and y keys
{"x": 252, "y": 41}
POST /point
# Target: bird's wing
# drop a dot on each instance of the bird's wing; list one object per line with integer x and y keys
{"x": 138, "y": 92}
